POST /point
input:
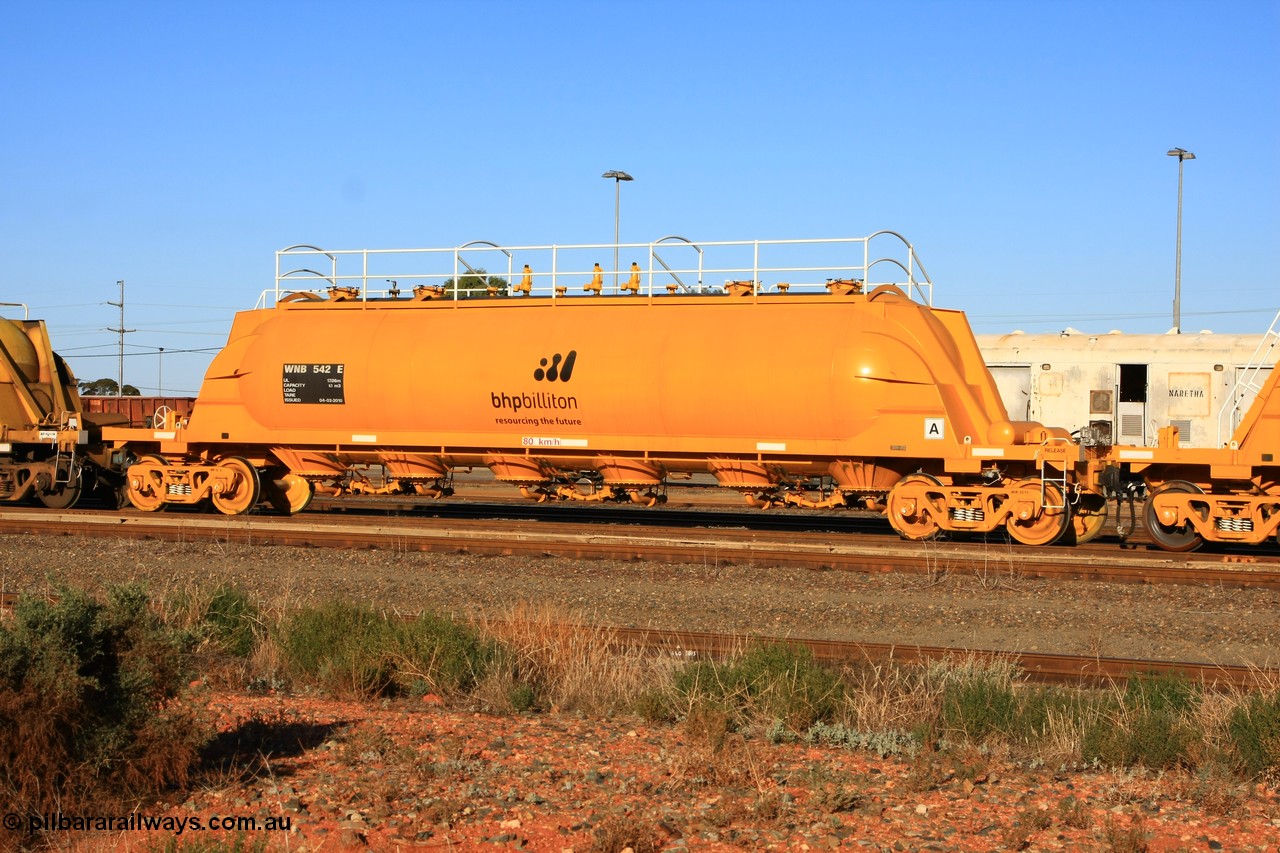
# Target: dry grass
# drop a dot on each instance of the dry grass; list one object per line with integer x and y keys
{"x": 623, "y": 832}
{"x": 886, "y": 697}
{"x": 999, "y": 569}
{"x": 563, "y": 667}
{"x": 713, "y": 752}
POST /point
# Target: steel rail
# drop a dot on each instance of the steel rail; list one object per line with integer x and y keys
{"x": 1035, "y": 667}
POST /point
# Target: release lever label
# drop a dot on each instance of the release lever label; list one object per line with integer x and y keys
{"x": 314, "y": 383}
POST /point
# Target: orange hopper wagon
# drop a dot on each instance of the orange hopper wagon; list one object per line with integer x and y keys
{"x": 43, "y": 433}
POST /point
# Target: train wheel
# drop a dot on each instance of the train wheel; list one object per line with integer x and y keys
{"x": 64, "y": 498}
{"x": 908, "y": 515}
{"x": 1049, "y": 526}
{"x": 291, "y": 494}
{"x": 147, "y": 497}
{"x": 1085, "y": 526}
{"x": 1172, "y": 537}
{"x": 245, "y": 489}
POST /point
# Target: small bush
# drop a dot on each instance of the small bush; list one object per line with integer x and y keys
{"x": 1148, "y": 724}
{"x": 979, "y": 707}
{"x": 231, "y": 620}
{"x": 1173, "y": 693}
{"x": 775, "y": 682}
{"x": 1157, "y": 739}
{"x": 437, "y": 654}
{"x": 1254, "y": 729}
{"x": 522, "y": 698}
{"x": 349, "y": 649}
{"x": 625, "y": 832}
{"x": 654, "y": 706}
{"x": 1017, "y": 835}
{"x": 982, "y": 703}
{"x": 1072, "y": 812}
{"x": 1133, "y": 838}
{"x": 87, "y": 711}
{"x": 344, "y": 648}
{"x": 882, "y": 743}
{"x": 713, "y": 751}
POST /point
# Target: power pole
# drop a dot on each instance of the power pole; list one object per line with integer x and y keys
{"x": 122, "y": 331}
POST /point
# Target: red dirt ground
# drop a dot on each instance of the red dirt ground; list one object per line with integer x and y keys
{"x": 421, "y": 776}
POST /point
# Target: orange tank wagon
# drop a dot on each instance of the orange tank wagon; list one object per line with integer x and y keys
{"x": 796, "y": 383}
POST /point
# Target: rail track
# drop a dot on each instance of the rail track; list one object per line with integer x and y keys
{"x": 1036, "y": 667}
{"x": 544, "y": 533}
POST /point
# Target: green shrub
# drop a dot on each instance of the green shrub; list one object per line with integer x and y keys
{"x": 1162, "y": 739}
{"x": 979, "y": 707}
{"x": 1254, "y": 729}
{"x": 349, "y": 649}
{"x": 654, "y": 706}
{"x": 1159, "y": 739}
{"x": 441, "y": 655}
{"x": 87, "y": 710}
{"x": 343, "y": 648}
{"x": 1147, "y": 726}
{"x": 231, "y": 620}
{"x": 773, "y": 682}
{"x": 522, "y": 698}
{"x": 1037, "y": 707}
{"x": 1159, "y": 692}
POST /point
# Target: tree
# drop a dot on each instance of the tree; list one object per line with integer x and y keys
{"x": 106, "y": 388}
{"x": 478, "y": 283}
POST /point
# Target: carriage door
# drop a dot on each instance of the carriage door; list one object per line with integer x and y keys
{"x": 1013, "y": 381}
{"x": 1131, "y": 404}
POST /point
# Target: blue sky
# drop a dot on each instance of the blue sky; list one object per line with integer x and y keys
{"x": 1019, "y": 146}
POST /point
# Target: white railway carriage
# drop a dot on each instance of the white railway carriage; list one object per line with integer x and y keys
{"x": 1126, "y": 387}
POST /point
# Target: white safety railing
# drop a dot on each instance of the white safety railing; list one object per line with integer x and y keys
{"x": 668, "y": 266}
{"x": 1249, "y": 382}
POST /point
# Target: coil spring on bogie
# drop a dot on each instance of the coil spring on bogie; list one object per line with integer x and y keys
{"x": 1235, "y": 525}
{"x": 962, "y": 513}
{"x": 179, "y": 489}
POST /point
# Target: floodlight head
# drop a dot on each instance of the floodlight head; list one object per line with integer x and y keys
{"x": 1181, "y": 154}
{"x": 617, "y": 175}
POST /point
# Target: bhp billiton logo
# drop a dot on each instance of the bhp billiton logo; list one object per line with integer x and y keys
{"x": 560, "y": 369}
{"x": 556, "y": 370}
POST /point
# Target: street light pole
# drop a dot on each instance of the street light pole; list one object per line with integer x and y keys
{"x": 122, "y": 331}
{"x": 618, "y": 178}
{"x": 160, "y": 372}
{"x": 1181, "y": 154}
